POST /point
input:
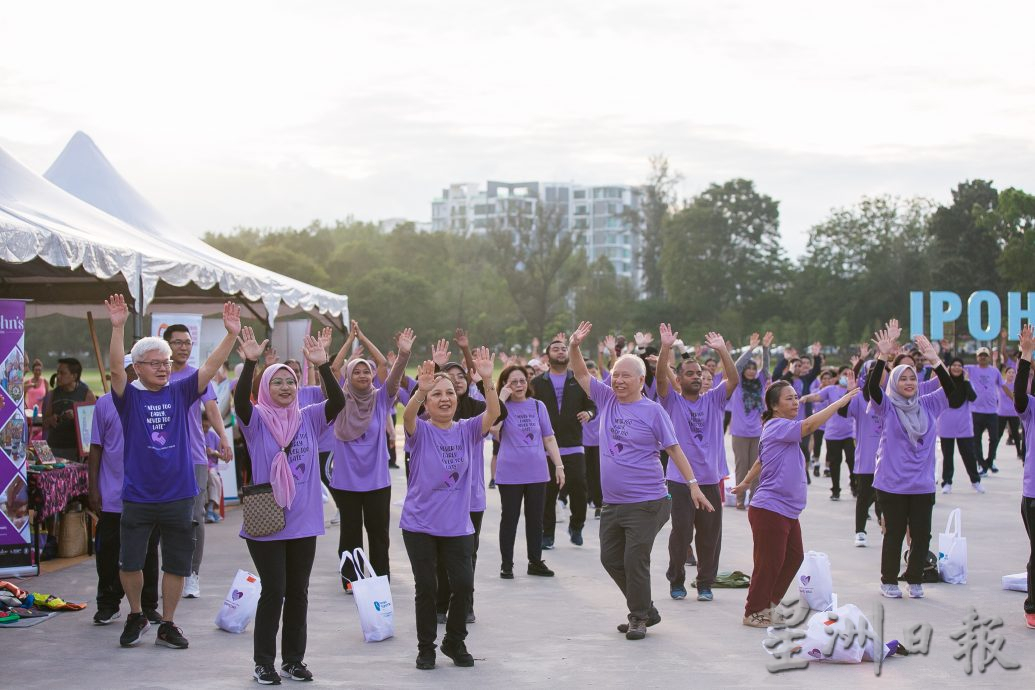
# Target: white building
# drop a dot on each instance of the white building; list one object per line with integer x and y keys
{"x": 598, "y": 215}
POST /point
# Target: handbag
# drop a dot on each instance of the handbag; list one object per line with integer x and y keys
{"x": 262, "y": 515}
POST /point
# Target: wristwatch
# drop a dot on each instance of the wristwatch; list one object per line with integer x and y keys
{"x": 692, "y": 481}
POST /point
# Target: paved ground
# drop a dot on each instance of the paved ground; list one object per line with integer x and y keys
{"x": 533, "y": 631}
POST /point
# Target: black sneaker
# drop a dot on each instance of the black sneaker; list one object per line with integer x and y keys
{"x": 470, "y": 617}
{"x": 266, "y": 675}
{"x": 170, "y": 636}
{"x": 653, "y": 618}
{"x": 815, "y": 470}
{"x": 576, "y": 536}
{"x": 539, "y": 569}
{"x": 296, "y": 670}
{"x": 835, "y": 497}
{"x": 596, "y": 513}
{"x": 426, "y": 660}
{"x": 637, "y": 628}
{"x": 457, "y": 651}
{"x": 507, "y": 571}
{"x": 152, "y": 616}
{"x": 995, "y": 470}
{"x": 136, "y": 626}
{"x": 547, "y": 542}
{"x": 441, "y": 618}
{"x": 105, "y": 616}
{"x": 492, "y": 483}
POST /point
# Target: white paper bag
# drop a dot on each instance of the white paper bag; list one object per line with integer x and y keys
{"x": 815, "y": 581}
{"x": 238, "y": 608}
{"x": 1018, "y": 582}
{"x": 373, "y": 597}
{"x": 821, "y": 631}
{"x": 952, "y": 551}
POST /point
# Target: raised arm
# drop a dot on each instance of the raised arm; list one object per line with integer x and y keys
{"x": 484, "y": 362}
{"x": 379, "y": 359}
{"x": 343, "y": 354}
{"x": 745, "y": 357}
{"x": 731, "y": 375}
{"x": 464, "y": 343}
{"x": 118, "y": 312}
{"x": 425, "y": 382}
{"x": 575, "y": 360}
{"x": 767, "y": 341}
{"x": 316, "y": 352}
{"x": 232, "y": 324}
{"x": 664, "y": 358}
{"x": 250, "y": 350}
{"x": 956, "y": 396}
{"x": 820, "y": 418}
{"x": 405, "y": 344}
{"x": 1020, "y": 380}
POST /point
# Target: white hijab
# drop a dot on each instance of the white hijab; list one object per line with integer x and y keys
{"x": 913, "y": 417}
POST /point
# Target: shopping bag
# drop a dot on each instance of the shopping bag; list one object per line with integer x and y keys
{"x": 373, "y": 597}
{"x": 238, "y": 608}
{"x": 1018, "y": 582}
{"x": 837, "y": 641}
{"x": 952, "y": 551}
{"x": 815, "y": 582}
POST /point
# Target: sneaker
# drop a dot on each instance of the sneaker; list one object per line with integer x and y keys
{"x": 946, "y": 488}
{"x": 470, "y": 617}
{"x": 457, "y": 651}
{"x": 678, "y": 592}
{"x": 835, "y": 497}
{"x": 336, "y": 518}
{"x": 983, "y": 472}
{"x": 637, "y": 628}
{"x": 690, "y": 559}
{"x": 653, "y": 618}
{"x": 170, "y": 636}
{"x": 891, "y": 591}
{"x": 705, "y": 595}
{"x": 547, "y": 542}
{"x": 296, "y": 670}
{"x": 916, "y": 591}
{"x": 265, "y": 674}
{"x": 995, "y": 470}
{"x": 426, "y": 660}
{"x": 136, "y": 626}
{"x": 826, "y": 473}
{"x": 191, "y": 587}
{"x": 576, "y": 536}
{"x": 210, "y": 517}
{"x": 977, "y": 487}
{"x": 815, "y": 469}
{"x": 506, "y": 572}
{"x": 539, "y": 569}
{"x": 596, "y": 513}
{"x": 105, "y": 616}
{"x": 348, "y": 587}
{"x": 492, "y": 483}
{"x": 758, "y": 619}
{"x": 441, "y": 617}
{"x": 860, "y": 538}
{"x": 152, "y": 616}
{"x": 1029, "y": 619}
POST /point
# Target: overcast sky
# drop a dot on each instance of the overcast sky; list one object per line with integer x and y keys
{"x": 270, "y": 114}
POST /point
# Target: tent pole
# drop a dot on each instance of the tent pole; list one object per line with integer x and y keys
{"x": 97, "y": 350}
{"x": 138, "y": 318}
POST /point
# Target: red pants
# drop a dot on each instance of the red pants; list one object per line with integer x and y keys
{"x": 778, "y": 555}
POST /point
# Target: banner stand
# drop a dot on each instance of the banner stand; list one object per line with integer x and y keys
{"x": 16, "y": 532}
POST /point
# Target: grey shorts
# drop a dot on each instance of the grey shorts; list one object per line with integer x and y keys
{"x": 175, "y": 524}
{"x": 201, "y": 477}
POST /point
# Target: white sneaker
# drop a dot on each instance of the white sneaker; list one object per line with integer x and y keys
{"x": 191, "y": 587}
{"x": 892, "y": 591}
{"x": 337, "y": 517}
{"x": 860, "y": 538}
{"x": 947, "y": 488}
{"x": 977, "y": 487}
{"x": 916, "y": 592}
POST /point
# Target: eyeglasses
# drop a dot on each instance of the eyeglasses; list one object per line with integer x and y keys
{"x": 181, "y": 343}
{"x": 291, "y": 383}
{"x": 157, "y": 364}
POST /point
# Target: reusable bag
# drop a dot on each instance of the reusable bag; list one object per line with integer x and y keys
{"x": 952, "y": 551}
{"x": 238, "y": 608}
{"x": 815, "y": 582}
{"x": 373, "y": 597}
{"x": 1018, "y": 582}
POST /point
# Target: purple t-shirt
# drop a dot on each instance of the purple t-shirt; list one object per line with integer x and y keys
{"x": 904, "y": 468}
{"x": 197, "y": 438}
{"x": 478, "y": 478}
{"x": 305, "y": 516}
{"x": 747, "y": 424}
{"x": 1028, "y": 420}
{"x": 986, "y": 382}
{"x": 799, "y": 388}
{"x": 815, "y": 387}
{"x": 211, "y": 443}
{"x": 698, "y": 427}
{"x": 106, "y": 432}
{"x": 438, "y": 499}
{"x": 838, "y": 428}
{"x": 158, "y": 460}
{"x": 782, "y": 485}
{"x": 362, "y": 463}
{"x": 956, "y": 423}
{"x": 1006, "y": 408}
{"x": 521, "y": 458}
{"x": 631, "y": 436}
{"x": 310, "y": 395}
{"x": 868, "y": 429}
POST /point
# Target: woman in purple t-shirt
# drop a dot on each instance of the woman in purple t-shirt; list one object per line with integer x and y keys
{"x": 746, "y": 405}
{"x": 436, "y": 516}
{"x": 1008, "y": 419}
{"x": 521, "y": 472}
{"x": 956, "y": 427}
{"x": 283, "y": 445}
{"x": 780, "y": 498}
{"x": 1024, "y": 405}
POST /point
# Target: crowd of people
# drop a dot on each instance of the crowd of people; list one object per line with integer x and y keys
{"x": 636, "y": 434}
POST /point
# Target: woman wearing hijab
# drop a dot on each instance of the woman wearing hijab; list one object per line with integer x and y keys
{"x": 360, "y": 482}
{"x": 746, "y": 408}
{"x": 956, "y": 426}
{"x": 282, "y": 440}
{"x": 904, "y": 476}
{"x": 1024, "y": 405}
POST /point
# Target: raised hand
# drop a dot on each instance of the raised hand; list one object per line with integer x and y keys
{"x": 354, "y": 328}
{"x": 440, "y": 352}
{"x": 118, "y": 312}
{"x": 562, "y": 336}
{"x": 390, "y": 357}
{"x": 850, "y": 378}
{"x": 271, "y": 356}
{"x": 643, "y": 339}
{"x": 249, "y": 348}
{"x": 580, "y": 333}
{"x": 405, "y": 341}
{"x": 426, "y": 376}
{"x": 668, "y": 338}
{"x": 884, "y": 342}
{"x": 609, "y": 344}
{"x": 715, "y": 341}
{"x": 325, "y": 337}
{"x": 1027, "y": 342}
{"x": 790, "y": 353}
{"x": 894, "y": 330}
{"x": 864, "y": 351}
{"x": 314, "y": 350}
{"x": 535, "y": 344}
{"x": 853, "y": 360}
{"x": 926, "y": 348}
{"x": 484, "y": 362}
{"x": 754, "y": 340}
{"x": 460, "y": 338}
{"x": 816, "y": 349}
{"x": 767, "y": 339}
{"x": 358, "y": 353}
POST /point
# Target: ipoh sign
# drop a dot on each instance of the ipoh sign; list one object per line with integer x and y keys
{"x": 984, "y": 312}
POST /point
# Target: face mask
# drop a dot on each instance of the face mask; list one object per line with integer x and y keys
{"x": 843, "y": 381}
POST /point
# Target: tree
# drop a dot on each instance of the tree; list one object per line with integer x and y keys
{"x": 656, "y": 203}
{"x": 603, "y": 298}
{"x": 1016, "y": 210}
{"x": 967, "y": 240}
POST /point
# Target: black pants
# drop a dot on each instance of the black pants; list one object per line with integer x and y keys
{"x": 511, "y": 496}
{"x": 836, "y": 449}
{"x": 454, "y": 554}
{"x": 594, "y": 492}
{"x": 902, "y": 512}
{"x": 359, "y": 509}
{"x": 325, "y": 476}
{"x": 949, "y": 462}
{"x": 106, "y": 548}
{"x": 726, "y": 417}
{"x": 817, "y": 444}
{"x": 688, "y": 523}
{"x": 985, "y": 421}
{"x": 1028, "y": 516}
{"x": 444, "y": 596}
{"x": 575, "y": 483}
{"x": 865, "y": 497}
{"x": 242, "y": 462}
{"x": 1012, "y": 425}
{"x": 283, "y": 566}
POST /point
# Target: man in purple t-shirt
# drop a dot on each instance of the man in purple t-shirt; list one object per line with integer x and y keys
{"x": 987, "y": 382}
{"x": 633, "y": 430}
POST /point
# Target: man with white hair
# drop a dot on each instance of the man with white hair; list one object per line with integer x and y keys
{"x": 636, "y": 502}
{"x": 158, "y": 485}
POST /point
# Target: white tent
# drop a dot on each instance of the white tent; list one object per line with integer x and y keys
{"x": 83, "y": 171}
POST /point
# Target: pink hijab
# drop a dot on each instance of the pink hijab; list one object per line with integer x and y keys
{"x": 282, "y": 423}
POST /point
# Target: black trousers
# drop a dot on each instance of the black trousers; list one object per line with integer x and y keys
{"x": 454, "y": 554}
{"x": 985, "y": 421}
{"x": 511, "y": 496}
{"x": 836, "y": 449}
{"x": 594, "y": 492}
{"x": 702, "y": 527}
{"x": 1028, "y": 516}
{"x": 966, "y": 446}
{"x": 865, "y": 497}
{"x": 902, "y": 512}
{"x": 284, "y": 566}
{"x": 817, "y": 444}
{"x": 1012, "y": 425}
{"x": 444, "y": 595}
{"x": 575, "y": 484}
{"x": 325, "y": 476}
{"x": 106, "y": 548}
{"x": 359, "y": 509}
